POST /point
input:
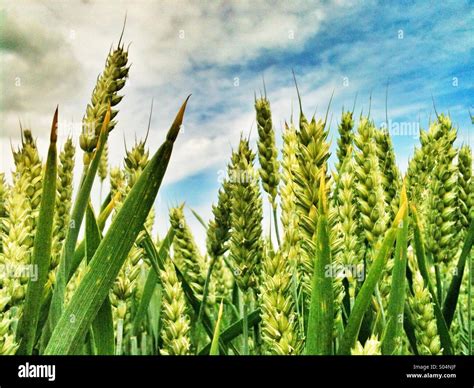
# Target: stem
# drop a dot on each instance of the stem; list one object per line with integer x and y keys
{"x": 119, "y": 337}
{"x": 294, "y": 287}
{"x": 245, "y": 327}
{"x": 379, "y": 302}
{"x": 202, "y": 306}
{"x": 469, "y": 304}
{"x": 275, "y": 220}
{"x": 438, "y": 283}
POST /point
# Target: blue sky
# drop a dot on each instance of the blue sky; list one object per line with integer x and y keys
{"x": 219, "y": 51}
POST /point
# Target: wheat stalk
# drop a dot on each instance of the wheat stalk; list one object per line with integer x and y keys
{"x": 267, "y": 151}
{"x": 278, "y": 316}
{"x": 245, "y": 241}
{"x": 176, "y": 323}
{"x": 346, "y": 138}
{"x": 217, "y": 238}
{"x": 426, "y": 331}
{"x": 64, "y": 187}
{"x": 370, "y": 191}
{"x": 187, "y": 256}
{"x": 442, "y": 214}
{"x": 391, "y": 179}
{"x": 105, "y": 93}
{"x": 312, "y": 156}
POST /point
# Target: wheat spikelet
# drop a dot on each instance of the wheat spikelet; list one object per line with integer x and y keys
{"x": 64, "y": 188}
{"x": 17, "y": 243}
{"x": 17, "y": 240}
{"x": 217, "y": 238}
{"x": 350, "y": 253}
{"x": 289, "y": 216}
{"x": 372, "y": 347}
{"x": 346, "y": 138}
{"x": 246, "y": 219}
{"x": 369, "y": 186}
{"x": 267, "y": 151}
{"x": 278, "y": 316}
{"x": 420, "y": 169}
{"x": 103, "y": 165}
{"x": 176, "y": 329}
{"x": 105, "y": 93}
{"x": 426, "y": 331}
{"x": 8, "y": 346}
{"x": 442, "y": 214}
{"x": 391, "y": 179}
{"x": 187, "y": 256}
{"x": 312, "y": 156}
{"x": 29, "y": 169}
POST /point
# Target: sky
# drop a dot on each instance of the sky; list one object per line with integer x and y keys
{"x": 51, "y": 52}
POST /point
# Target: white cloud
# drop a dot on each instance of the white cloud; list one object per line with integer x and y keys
{"x": 68, "y": 42}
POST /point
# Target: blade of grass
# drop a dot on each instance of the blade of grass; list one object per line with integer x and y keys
{"x": 106, "y": 201}
{"x": 195, "y": 304}
{"x": 199, "y": 218}
{"x": 234, "y": 330}
{"x": 217, "y": 332}
{"x": 156, "y": 260}
{"x": 319, "y": 335}
{"x": 103, "y": 325}
{"x": 364, "y": 296}
{"x": 67, "y": 253}
{"x": 152, "y": 279}
{"x": 113, "y": 250}
{"x": 204, "y": 299}
{"x": 409, "y": 328}
{"x": 451, "y": 300}
{"x": 396, "y": 301}
{"x": 26, "y": 332}
{"x": 154, "y": 322}
{"x": 79, "y": 255}
{"x": 441, "y": 324}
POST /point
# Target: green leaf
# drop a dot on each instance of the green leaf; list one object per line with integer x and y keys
{"x": 234, "y": 330}
{"x": 217, "y": 332}
{"x": 79, "y": 255}
{"x": 364, "y": 296}
{"x": 443, "y": 330}
{"x": 396, "y": 301}
{"x": 103, "y": 325}
{"x": 195, "y": 304}
{"x": 67, "y": 254}
{"x": 156, "y": 259}
{"x": 154, "y": 321}
{"x": 152, "y": 279}
{"x": 319, "y": 334}
{"x": 26, "y": 333}
{"x": 409, "y": 327}
{"x": 104, "y": 267}
{"x": 199, "y": 218}
{"x": 451, "y": 300}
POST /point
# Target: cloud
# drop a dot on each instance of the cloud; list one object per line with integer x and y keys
{"x": 39, "y": 70}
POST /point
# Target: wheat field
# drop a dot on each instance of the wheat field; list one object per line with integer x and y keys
{"x": 360, "y": 260}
